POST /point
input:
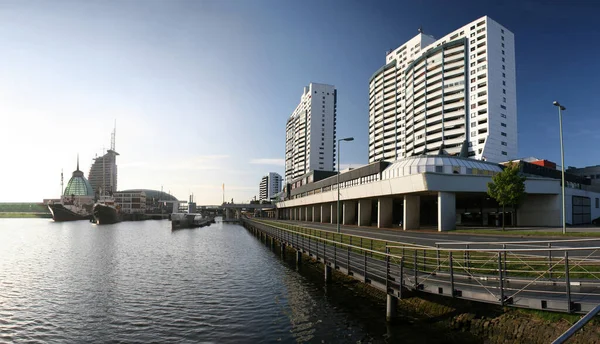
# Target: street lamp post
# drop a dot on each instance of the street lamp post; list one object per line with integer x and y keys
{"x": 337, "y": 215}
{"x": 562, "y": 164}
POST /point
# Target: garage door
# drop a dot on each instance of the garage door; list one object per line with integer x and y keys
{"x": 581, "y": 210}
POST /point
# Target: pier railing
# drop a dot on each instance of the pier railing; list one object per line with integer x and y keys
{"x": 540, "y": 275}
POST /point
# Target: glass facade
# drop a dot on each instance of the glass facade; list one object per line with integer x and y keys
{"x": 78, "y": 186}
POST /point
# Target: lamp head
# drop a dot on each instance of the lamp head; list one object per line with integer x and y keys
{"x": 348, "y": 139}
{"x": 555, "y": 103}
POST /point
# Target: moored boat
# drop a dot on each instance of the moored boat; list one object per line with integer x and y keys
{"x": 106, "y": 212}
{"x": 187, "y": 220}
{"x": 77, "y": 199}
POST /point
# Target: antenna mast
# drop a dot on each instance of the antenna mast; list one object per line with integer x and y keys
{"x": 113, "y": 137}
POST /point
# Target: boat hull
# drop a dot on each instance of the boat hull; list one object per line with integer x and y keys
{"x": 106, "y": 215}
{"x": 61, "y": 214}
{"x": 183, "y": 220}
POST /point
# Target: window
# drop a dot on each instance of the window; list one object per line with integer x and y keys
{"x": 502, "y": 115}
{"x": 473, "y": 106}
{"x": 502, "y": 52}
{"x": 502, "y": 37}
{"x": 503, "y": 107}
{"x": 473, "y": 34}
{"x": 502, "y": 30}
{"x": 473, "y": 42}
{"x": 473, "y": 27}
{"x": 597, "y": 202}
{"x": 473, "y": 80}
{"x": 503, "y": 83}
{"x": 473, "y": 88}
{"x": 504, "y": 75}
{"x": 472, "y": 72}
{"x": 502, "y": 45}
{"x": 504, "y": 153}
{"x": 503, "y": 133}
{"x": 473, "y": 124}
{"x": 472, "y": 64}
{"x": 503, "y": 124}
{"x": 504, "y": 99}
{"x": 504, "y": 143}
{"x": 503, "y": 60}
{"x": 473, "y": 133}
{"x": 503, "y": 67}
{"x": 473, "y": 114}
{"x": 473, "y": 56}
{"x": 504, "y": 91}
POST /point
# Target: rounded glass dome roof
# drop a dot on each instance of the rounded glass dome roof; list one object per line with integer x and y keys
{"x": 439, "y": 164}
{"x": 78, "y": 186}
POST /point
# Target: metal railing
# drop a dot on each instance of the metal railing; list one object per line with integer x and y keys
{"x": 529, "y": 274}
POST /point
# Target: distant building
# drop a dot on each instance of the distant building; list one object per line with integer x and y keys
{"x": 454, "y": 95}
{"x": 270, "y": 186}
{"x": 131, "y": 202}
{"x": 590, "y": 172}
{"x": 263, "y": 188}
{"x": 156, "y": 201}
{"x": 310, "y": 132}
{"x": 103, "y": 173}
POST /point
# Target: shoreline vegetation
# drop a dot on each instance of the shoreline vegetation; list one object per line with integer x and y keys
{"x": 14, "y": 215}
{"x": 30, "y": 210}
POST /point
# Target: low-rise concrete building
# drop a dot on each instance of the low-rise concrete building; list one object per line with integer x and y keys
{"x": 437, "y": 191}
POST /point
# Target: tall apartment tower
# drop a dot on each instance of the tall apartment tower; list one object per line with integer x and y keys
{"x": 310, "y": 132}
{"x": 263, "y": 188}
{"x": 270, "y": 185}
{"x": 455, "y": 95}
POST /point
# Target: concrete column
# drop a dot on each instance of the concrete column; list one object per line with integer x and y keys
{"x": 309, "y": 213}
{"x": 391, "y": 308}
{"x": 327, "y": 273}
{"x": 385, "y": 212}
{"x": 349, "y": 213}
{"x": 334, "y": 212}
{"x": 301, "y": 214}
{"x": 412, "y": 212}
{"x": 364, "y": 212}
{"x": 282, "y": 249}
{"x": 277, "y": 214}
{"x": 325, "y": 213}
{"x": 316, "y": 216}
{"x": 298, "y": 258}
{"x": 446, "y": 211}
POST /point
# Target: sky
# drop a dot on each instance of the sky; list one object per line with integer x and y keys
{"x": 201, "y": 90}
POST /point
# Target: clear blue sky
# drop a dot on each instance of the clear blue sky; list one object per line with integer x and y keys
{"x": 201, "y": 90}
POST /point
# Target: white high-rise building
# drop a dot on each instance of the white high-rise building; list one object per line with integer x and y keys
{"x": 456, "y": 94}
{"x": 270, "y": 185}
{"x": 310, "y": 132}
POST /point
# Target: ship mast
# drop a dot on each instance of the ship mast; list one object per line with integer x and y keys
{"x": 112, "y": 148}
{"x": 62, "y": 190}
{"x": 103, "y": 173}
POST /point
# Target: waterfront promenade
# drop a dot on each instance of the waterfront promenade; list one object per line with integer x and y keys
{"x": 539, "y": 273}
{"x": 431, "y": 237}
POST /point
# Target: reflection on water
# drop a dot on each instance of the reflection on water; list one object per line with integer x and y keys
{"x": 140, "y": 282}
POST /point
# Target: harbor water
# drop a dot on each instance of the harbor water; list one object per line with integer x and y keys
{"x": 140, "y": 282}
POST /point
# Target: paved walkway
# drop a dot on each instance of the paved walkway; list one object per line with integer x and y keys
{"x": 431, "y": 237}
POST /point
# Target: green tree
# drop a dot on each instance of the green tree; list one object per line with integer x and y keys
{"x": 507, "y": 188}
